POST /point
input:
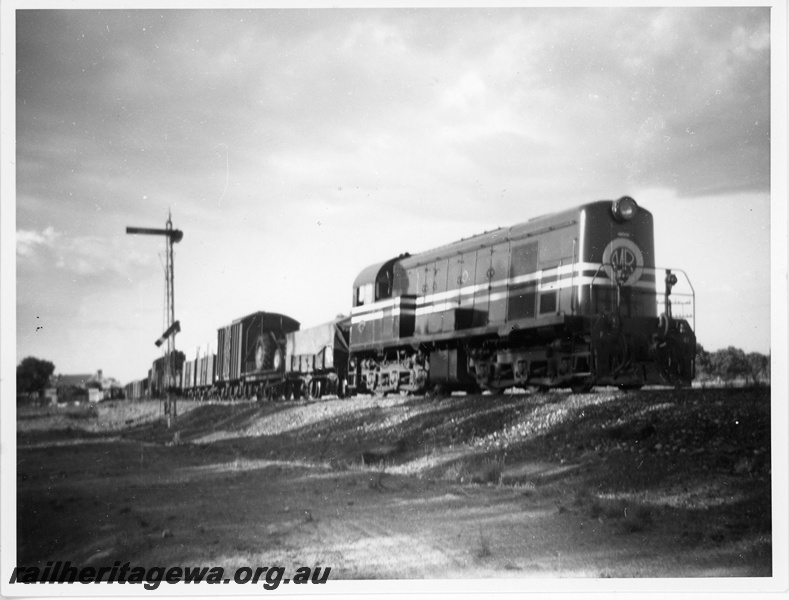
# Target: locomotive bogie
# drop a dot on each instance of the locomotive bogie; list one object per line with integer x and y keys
{"x": 403, "y": 370}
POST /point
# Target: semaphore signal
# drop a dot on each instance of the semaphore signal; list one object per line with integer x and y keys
{"x": 172, "y": 236}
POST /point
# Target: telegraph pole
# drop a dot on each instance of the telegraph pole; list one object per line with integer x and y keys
{"x": 172, "y": 236}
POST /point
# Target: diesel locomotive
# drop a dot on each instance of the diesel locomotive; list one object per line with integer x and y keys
{"x": 566, "y": 300}
{"x": 569, "y": 300}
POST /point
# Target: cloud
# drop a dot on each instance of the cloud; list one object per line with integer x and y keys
{"x": 28, "y": 242}
{"x": 84, "y": 256}
{"x": 310, "y": 100}
{"x": 658, "y": 96}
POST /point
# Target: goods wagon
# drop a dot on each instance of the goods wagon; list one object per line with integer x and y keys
{"x": 250, "y": 356}
{"x": 136, "y": 390}
{"x": 316, "y": 362}
{"x": 156, "y": 379}
{"x": 205, "y": 370}
{"x": 572, "y": 299}
{"x": 198, "y": 376}
{"x": 188, "y": 378}
{"x": 158, "y": 382}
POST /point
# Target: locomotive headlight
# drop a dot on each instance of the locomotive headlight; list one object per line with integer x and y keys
{"x": 624, "y": 209}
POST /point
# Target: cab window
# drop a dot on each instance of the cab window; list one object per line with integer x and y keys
{"x": 364, "y": 294}
{"x": 383, "y": 287}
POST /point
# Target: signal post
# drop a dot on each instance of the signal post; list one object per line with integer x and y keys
{"x": 172, "y": 236}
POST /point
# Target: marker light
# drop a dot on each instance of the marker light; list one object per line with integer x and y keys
{"x": 624, "y": 209}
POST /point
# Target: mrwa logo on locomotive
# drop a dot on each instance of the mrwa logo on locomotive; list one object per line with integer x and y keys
{"x": 623, "y": 261}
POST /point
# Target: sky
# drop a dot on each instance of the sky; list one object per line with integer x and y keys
{"x": 294, "y": 147}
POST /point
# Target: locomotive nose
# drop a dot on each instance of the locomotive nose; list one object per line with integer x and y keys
{"x": 624, "y": 209}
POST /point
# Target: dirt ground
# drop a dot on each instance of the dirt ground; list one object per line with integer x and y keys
{"x": 659, "y": 483}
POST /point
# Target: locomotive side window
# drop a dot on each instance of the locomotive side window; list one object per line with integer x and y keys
{"x": 383, "y": 287}
{"x": 364, "y": 294}
{"x": 401, "y": 276}
{"x": 524, "y": 259}
{"x": 547, "y": 303}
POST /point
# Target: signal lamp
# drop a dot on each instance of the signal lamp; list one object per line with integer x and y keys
{"x": 624, "y": 209}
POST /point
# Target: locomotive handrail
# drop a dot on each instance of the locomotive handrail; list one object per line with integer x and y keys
{"x": 692, "y": 289}
{"x": 653, "y": 270}
{"x": 572, "y": 277}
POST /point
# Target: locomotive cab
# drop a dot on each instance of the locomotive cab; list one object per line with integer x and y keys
{"x": 380, "y": 314}
{"x": 374, "y": 283}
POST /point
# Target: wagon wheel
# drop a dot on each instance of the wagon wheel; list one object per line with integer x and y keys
{"x": 581, "y": 387}
{"x": 628, "y": 387}
{"x": 439, "y": 391}
{"x": 332, "y": 384}
{"x": 472, "y": 388}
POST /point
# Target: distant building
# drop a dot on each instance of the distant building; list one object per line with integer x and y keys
{"x": 84, "y": 388}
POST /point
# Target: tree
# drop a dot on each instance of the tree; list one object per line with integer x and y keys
{"x": 730, "y": 364}
{"x": 759, "y": 366}
{"x": 703, "y": 363}
{"x": 32, "y": 375}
